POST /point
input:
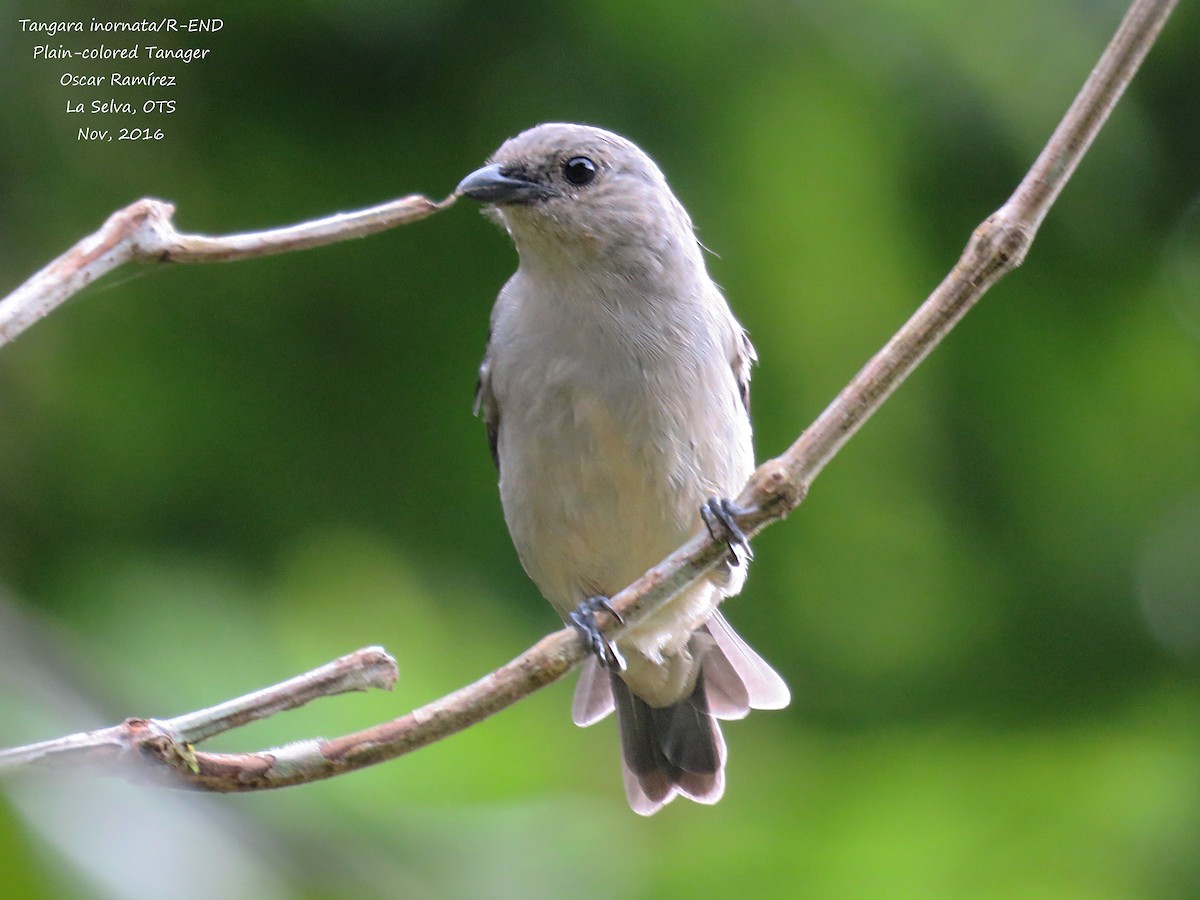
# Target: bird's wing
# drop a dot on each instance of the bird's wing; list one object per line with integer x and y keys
{"x": 485, "y": 403}
{"x": 743, "y": 358}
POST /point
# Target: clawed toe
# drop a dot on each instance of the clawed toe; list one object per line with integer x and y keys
{"x": 718, "y": 515}
{"x": 583, "y": 618}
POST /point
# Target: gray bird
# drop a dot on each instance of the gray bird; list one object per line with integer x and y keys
{"x": 615, "y": 389}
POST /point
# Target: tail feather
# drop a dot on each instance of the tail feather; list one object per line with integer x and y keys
{"x": 676, "y": 749}
{"x": 688, "y": 734}
{"x": 763, "y": 687}
{"x": 728, "y": 697}
{"x": 593, "y": 696}
{"x": 679, "y": 749}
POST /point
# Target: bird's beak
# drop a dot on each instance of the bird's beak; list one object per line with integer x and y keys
{"x": 491, "y": 185}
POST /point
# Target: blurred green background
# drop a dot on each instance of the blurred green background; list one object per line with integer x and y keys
{"x": 214, "y": 477}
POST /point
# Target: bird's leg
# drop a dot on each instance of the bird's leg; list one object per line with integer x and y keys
{"x": 583, "y": 618}
{"x": 718, "y": 513}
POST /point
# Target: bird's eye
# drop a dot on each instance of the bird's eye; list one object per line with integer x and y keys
{"x": 579, "y": 170}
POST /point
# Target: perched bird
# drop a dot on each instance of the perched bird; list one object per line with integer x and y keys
{"x": 615, "y": 390}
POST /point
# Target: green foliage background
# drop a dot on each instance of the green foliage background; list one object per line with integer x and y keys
{"x": 214, "y": 477}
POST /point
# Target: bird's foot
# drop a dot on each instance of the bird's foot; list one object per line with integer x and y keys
{"x": 718, "y": 515}
{"x": 583, "y": 618}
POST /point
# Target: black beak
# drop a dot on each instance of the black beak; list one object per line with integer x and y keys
{"x": 491, "y": 185}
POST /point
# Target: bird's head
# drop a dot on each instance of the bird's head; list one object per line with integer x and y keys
{"x": 581, "y": 194}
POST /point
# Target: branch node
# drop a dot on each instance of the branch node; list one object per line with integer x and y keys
{"x": 154, "y": 741}
{"x": 775, "y": 490}
{"x": 1003, "y": 238}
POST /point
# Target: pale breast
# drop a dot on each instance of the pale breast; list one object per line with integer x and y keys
{"x": 591, "y": 495}
{"x": 613, "y": 430}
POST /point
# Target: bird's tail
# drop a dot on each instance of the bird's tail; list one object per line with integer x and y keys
{"x": 678, "y": 749}
{"x": 669, "y": 750}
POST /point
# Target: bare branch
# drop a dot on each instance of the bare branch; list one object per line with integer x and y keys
{"x": 361, "y": 670}
{"x": 997, "y": 246}
{"x": 143, "y": 232}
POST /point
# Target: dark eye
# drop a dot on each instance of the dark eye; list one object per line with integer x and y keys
{"x": 579, "y": 170}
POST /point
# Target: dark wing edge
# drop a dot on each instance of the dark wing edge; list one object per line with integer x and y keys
{"x": 743, "y": 358}
{"x": 486, "y": 406}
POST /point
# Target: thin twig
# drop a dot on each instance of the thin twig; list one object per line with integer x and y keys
{"x": 361, "y": 670}
{"x": 997, "y": 246}
{"x": 370, "y": 667}
{"x": 143, "y": 232}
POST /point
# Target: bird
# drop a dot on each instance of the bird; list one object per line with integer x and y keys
{"x": 615, "y": 389}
